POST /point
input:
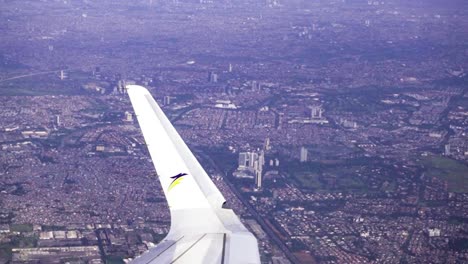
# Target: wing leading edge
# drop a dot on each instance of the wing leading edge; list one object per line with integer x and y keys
{"x": 201, "y": 230}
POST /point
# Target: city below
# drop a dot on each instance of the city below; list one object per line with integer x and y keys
{"x": 337, "y": 130}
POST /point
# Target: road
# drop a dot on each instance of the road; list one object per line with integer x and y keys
{"x": 28, "y": 75}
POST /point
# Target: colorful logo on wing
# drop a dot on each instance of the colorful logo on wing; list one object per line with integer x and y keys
{"x": 176, "y": 180}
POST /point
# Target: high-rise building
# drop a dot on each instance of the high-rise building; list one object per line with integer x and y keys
{"x": 316, "y": 112}
{"x": 243, "y": 159}
{"x": 280, "y": 121}
{"x": 266, "y": 144}
{"x": 254, "y": 86}
{"x": 57, "y": 120}
{"x": 303, "y": 154}
{"x": 447, "y": 149}
{"x": 213, "y": 77}
{"x": 259, "y": 169}
{"x": 258, "y": 179}
{"x": 167, "y": 100}
{"x": 261, "y": 160}
{"x": 230, "y": 67}
{"x": 367, "y": 22}
{"x": 253, "y": 162}
{"x": 314, "y": 27}
{"x": 121, "y": 86}
{"x": 62, "y": 75}
{"x": 253, "y": 157}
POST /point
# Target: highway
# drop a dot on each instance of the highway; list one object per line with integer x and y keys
{"x": 27, "y": 75}
{"x": 260, "y": 219}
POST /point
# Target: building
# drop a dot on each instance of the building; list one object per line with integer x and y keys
{"x": 121, "y": 84}
{"x": 303, "y": 154}
{"x": 167, "y": 100}
{"x": 266, "y": 145}
{"x": 367, "y": 22}
{"x": 447, "y": 149}
{"x": 249, "y": 160}
{"x": 259, "y": 169}
{"x": 252, "y": 160}
{"x": 85, "y": 254}
{"x": 256, "y": 86}
{"x": 128, "y": 117}
{"x": 213, "y": 77}
{"x": 243, "y": 160}
{"x": 100, "y": 148}
{"x": 62, "y": 75}
{"x": 251, "y": 163}
{"x": 225, "y": 104}
{"x": 258, "y": 179}
{"x": 348, "y": 124}
{"x": 434, "y": 232}
{"x": 280, "y": 120}
{"x": 316, "y": 112}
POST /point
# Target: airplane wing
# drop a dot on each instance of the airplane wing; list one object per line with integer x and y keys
{"x": 202, "y": 231}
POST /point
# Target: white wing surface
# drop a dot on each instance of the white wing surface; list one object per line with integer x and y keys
{"x": 202, "y": 231}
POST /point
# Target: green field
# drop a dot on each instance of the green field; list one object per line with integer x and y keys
{"x": 5, "y": 252}
{"x": 114, "y": 260}
{"x": 325, "y": 177}
{"x": 21, "y": 227}
{"x": 308, "y": 180}
{"x": 46, "y": 84}
{"x": 16, "y": 241}
{"x": 452, "y": 171}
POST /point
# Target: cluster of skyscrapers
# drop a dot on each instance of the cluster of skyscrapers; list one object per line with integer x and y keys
{"x": 253, "y": 161}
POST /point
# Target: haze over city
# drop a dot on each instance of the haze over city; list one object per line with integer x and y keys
{"x": 337, "y": 130}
